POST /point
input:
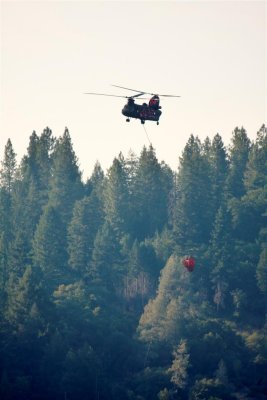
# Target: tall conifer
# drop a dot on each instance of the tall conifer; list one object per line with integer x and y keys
{"x": 116, "y": 197}
{"x": 219, "y": 170}
{"x": 7, "y": 182}
{"x": 152, "y": 187}
{"x": 8, "y": 168}
{"x": 86, "y": 220}
{"x": 193, "y": 214}
{"x": 49, "y": 248}
{"x": 65, "y": 184}
{"x": 238, "y": 157}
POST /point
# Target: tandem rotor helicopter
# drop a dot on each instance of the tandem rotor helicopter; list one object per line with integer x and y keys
{"x": 144, "y": 112}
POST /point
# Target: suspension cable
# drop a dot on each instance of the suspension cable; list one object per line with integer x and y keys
{"x": 146, "y": 134}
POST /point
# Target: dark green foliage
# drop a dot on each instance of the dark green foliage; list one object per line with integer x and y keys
{"x": 32, "y": 194}
{"x": 65, "y": 182}
{"x": 262, "y": 271}
{"x": 86, "y": 221}
{"x": 49, "y": 247}
{"x": 26, "y": 302}
{"x": 151, "y": 189}
{"x": 220, "y": 253}
{"x": 219, "y": 169}
{"x": 106, "y": 257}
{"x": 249, "y": 211}
{"x": 5, "y": 235}
{"x": 238, "y": 157}
{"x": 7, "y": 182}
{"x": 95, "y": 302}
{"x": 79, "y": 378}
{"x": 8, "y": 168}
{"x": 96, "y": 182}
{"x": 256, "y": 172}
{"x": 116, "y": 197}
{"x": 36, "y": 166}
{"x": 194, "y": 211}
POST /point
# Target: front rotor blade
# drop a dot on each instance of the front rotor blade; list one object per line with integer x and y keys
{"x": 104, "y": 94}
{"x": 114, "y": 95}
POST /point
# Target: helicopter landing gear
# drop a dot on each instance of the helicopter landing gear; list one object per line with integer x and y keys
{"x": 127, "y": 119}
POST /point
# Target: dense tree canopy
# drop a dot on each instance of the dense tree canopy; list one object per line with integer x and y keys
{"x": 95, "y": 302}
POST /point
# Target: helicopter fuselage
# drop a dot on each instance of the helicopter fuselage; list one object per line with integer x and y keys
{"x": 142, "y": 112}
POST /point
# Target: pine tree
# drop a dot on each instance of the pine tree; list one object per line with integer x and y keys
{"x": 8, "y": 168}
{"x": 79, "y": 377}
{"x": 164, "y": 316}
{"x": 87, "y": 218}
{"x": 116, "y": 197}
{"x": 96, "y": 181}
{"x": 180, "y": 365}
{"x": 239, "y": 152}
{"x": 131, "y": 166}
{"x": 256, "y": 171}
{"x": 26, "y": 302}
{"x": 193, "y": 215}
{"x": 30, "y": 192}
{"x": 86, "y": 221}
{"x": 5, "y": 235}
{"x": 36, "y": 169}
{"x": 19, "y": 253}
{"x": 106, "y": 258}
{"x": 138, "y": 281}
{"x": 152, "y": 187}
{"x": 249, "y": 212}
{"x": 49, "y": 248}
{"x": 221, "y": 256}
{"x": 65, "y": 184}
{"x": 7, "y": 182}
{"x": 219, "y": 170}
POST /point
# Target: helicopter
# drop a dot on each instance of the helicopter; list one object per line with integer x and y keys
{"x": 144, "y": 112}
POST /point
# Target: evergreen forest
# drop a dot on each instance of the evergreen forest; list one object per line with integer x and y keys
{"x": 95, "y": 303}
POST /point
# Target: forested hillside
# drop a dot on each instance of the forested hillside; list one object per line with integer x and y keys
{"x": 95, "y": 303}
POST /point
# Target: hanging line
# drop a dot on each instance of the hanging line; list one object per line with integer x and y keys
{"x": 146, "y": 134}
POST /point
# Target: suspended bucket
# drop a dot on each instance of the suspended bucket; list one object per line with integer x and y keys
{"x": 189, "y": 263}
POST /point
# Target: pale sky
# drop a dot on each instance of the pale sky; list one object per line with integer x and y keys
{"x": 212, "y": 53}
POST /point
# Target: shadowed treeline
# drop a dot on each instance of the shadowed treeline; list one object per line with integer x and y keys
{"x": 95, "y": 302}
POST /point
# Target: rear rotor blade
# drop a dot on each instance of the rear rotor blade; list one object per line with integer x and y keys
{"x": 137, "y": 95}
{"x": 167, "y": 95}
{"x": 161, "y": 95}
{"x": 142, "y": 92}
{"x": 132, "y": 90}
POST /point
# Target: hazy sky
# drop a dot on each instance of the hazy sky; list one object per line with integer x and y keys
{"x": 211, "y": 53}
